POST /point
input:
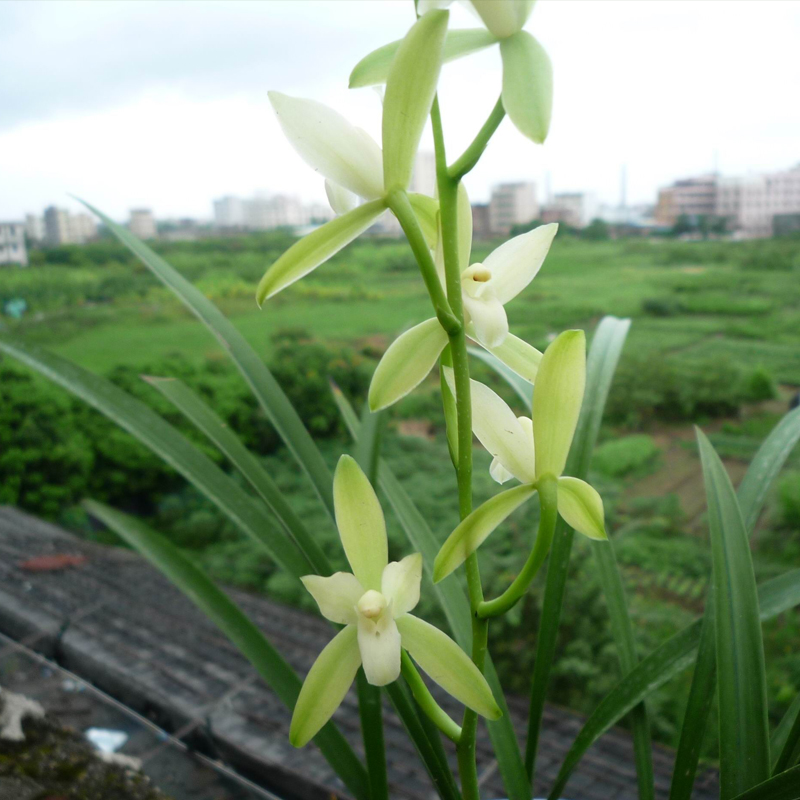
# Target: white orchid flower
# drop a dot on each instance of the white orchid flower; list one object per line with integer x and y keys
{"x": 359, "y": 175}
{"x": 486, "y": 288}
{"x": 373, "y": 603}
{"x": 527, "y": 71}
{"x": 529, "y": 449}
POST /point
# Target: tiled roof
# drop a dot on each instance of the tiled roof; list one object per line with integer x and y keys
{"x": 114, "y": 621}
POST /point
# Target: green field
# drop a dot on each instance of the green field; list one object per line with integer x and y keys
{"x": 715, "y": 340}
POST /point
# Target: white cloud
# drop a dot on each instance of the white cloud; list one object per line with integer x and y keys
{"x": 164, "y": 105}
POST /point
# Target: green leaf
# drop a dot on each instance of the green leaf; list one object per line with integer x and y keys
{"x": 265, "y": 388}
{"x": 557, "y": 398}
{"x": 785, "y": 786}
{"x": 410, "y": 88}
{"x": 374, "y": 68}
{"x": 785, "y": 744}
{"x": 604, "y": 353}
{"x": 447, "y": 665}
{"x": 517, "y": 355}
{"x": 217, "y": 430}
{"x": 453, "y": 600}
{"x": 472, "y": 531}
{"x": 407, "y": 362}
{"x": 766, "y": 465}
{"x": 160, "y": 437}
{"x": 237, "y": 627}
{"x": 527, "y": 85}
{"x": 316, "y": 248}
{"x": 776, "y": 596}
{"x": 743, "y": 724}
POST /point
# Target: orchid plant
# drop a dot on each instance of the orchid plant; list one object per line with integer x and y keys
{"x": 377, "y": 642}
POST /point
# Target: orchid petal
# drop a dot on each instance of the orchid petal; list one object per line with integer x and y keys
{"x": 400, "y": 583}
{"x": 406, "y": 363}
{"x": 329, "y": 144}
{"x": 498, "y": 472}
{"x": 488, "y": 318}
{"x": 336, "y": 595}
{"x": 527, "y": 85}
{"x": 515, "y": 353}
{"x": 472, "y": 532}
{"x": 581, "y": 507}
{"x": 361, "y": 524}
{"x": 410, "y": 88}
{"x": 428, "y": 5}
{"x": 316, "y": 248}
{"x": 341, "y": 200}
{"x": 515, "y": 264}
{"x": 499, "y": 431}
{"x": 325, "y": 686}
{"x": 557, "y": 399}
{"x": 448, "y": 665}
{"x": 503, "y": 17}
{"x": 379, "y": 643}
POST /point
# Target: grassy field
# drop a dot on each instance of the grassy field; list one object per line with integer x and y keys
{"x": 715, "y": 340}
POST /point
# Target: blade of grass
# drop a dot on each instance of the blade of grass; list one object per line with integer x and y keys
{"x": 160, "y": 437}
{"x": 775, "y": 596}
{"x": 604, "y": 353}
{"x": 192, "y": 406}
{"x": 230, "y": 619}
{"x": 453, "y": 600}
{"x": 785, "y": 786}
{"x": 265, "y": 388}
{"x": 764, "y": 468}
{"x": 743, "y": 728}
{"x": 786, "y": 740}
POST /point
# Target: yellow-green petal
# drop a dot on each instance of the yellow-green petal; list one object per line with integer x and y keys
{"x": 336, "y": 595}
{"x": 527, "y": 85}
{"x": 503, "y": 17}
{"x": 557, "y": 398}
{"x": 515, "y": 353}
{"x": 447, "y": 664}
{"x": 581, "y": 507}
{"x": 361, "y": 524}
{"x": 316, "y": 248}
{"x": 325, "y": 686}
{"x": 473, "y": 531}
{"x": 410, "y": 88}
{"x": 406, "y": 363}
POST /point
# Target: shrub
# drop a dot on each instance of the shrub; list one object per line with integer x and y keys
{"x": 759, "y": 385}
{"x": 631, "y": 455}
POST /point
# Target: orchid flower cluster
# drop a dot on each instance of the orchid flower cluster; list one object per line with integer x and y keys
{"x": 363, "y": 181}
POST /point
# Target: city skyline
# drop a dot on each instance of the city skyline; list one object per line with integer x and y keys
{"x": 190, "y": 120}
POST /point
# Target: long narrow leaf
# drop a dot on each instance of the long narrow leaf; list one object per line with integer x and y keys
{"x": 454, "y": 603}
{"x": 763, "y": 470}
{"x": 743, "y": 729}
{"x": 786, "y": 741}
{"x": 197, "y": 412}
{"x": 785, "y": 786}
{"x": 523, "y": 388}
{"x": 238, "y": 627}
{"x": 160, "y": 437}
{"x": 266, "y": 389}
{"x": 775, "y": 596}
{"x": 601, "y": 363}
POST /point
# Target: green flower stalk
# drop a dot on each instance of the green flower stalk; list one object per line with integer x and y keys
{"x": 534, "y": 451}
{"x": 374, "y": 605}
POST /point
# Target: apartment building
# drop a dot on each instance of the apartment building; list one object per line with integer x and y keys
{"x": 62, "y": 227}
{"x": 34, "y": 228}
{"x": 512, "y": 204}
{"x": 576, "y": 209}
{"x": 12, "y": 244}
{"x": 142, "y": 223}
{"x": 265, "y": 213}
{"x": 693, "y": 197}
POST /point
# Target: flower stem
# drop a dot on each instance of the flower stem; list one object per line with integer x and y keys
{"x": 426, "y": 702}
{"x": 472, "y": 154}
{"x": 547, "y": 487}
{"x": 398, "y": 202}
{"x": 448, "y": 197}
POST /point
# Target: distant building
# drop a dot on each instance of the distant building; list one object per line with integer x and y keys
{"x": 512, "y": 204}
{"x": 691, "y": 197}
{"x": 229, "y": 212}
{"x": 34, "y": 228}
{"x": 481, "y": 229}
{"x": 12, "y": 244}
{"x": 265, "y": 213}
{"x": 61, "y": 227}
{"x": 142, "y": 223}
{"x": 576, "y": 209}
{"x": 423, "y": 178}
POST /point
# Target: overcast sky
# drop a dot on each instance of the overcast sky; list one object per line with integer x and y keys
{"x": 164, "y": 104}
